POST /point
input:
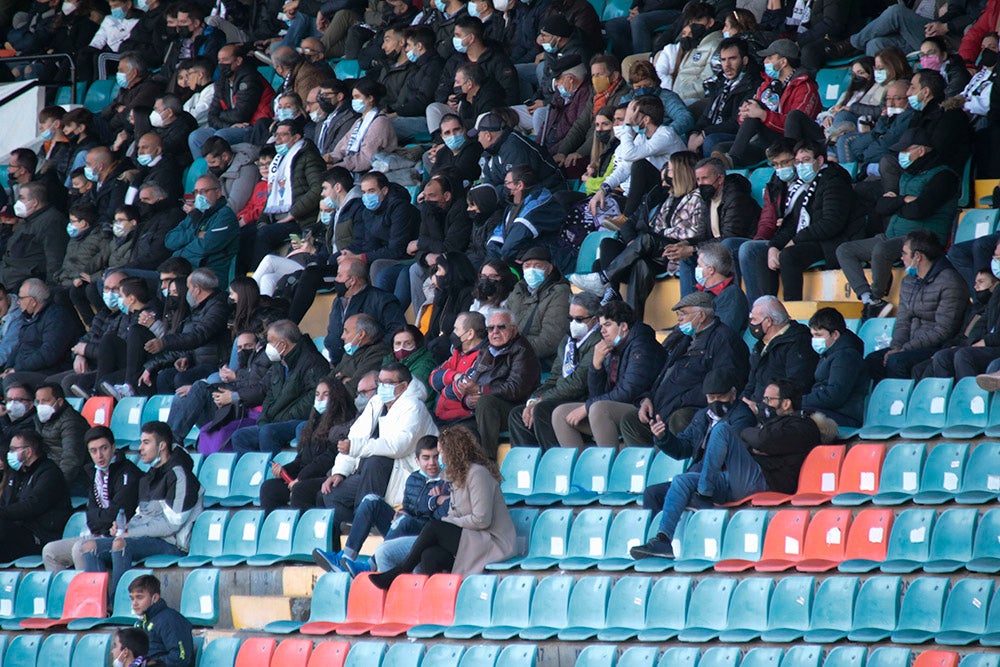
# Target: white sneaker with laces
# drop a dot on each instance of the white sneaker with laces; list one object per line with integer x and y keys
{"x": 589, "y": 282}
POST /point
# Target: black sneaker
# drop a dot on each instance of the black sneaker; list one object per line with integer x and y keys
{"x": 877, "y": 308}
{"x": 655, "y": 548}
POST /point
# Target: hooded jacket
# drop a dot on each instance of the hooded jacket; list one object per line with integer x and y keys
{"x": 801, "y": 92}
{"x": 931, "y": 309}
{"x": 841, "y": 384}
{"x": 123, "y": 494}
{"x": 36, "y": 500}
{"x": 639, "y": 360}
{"x": 292, "y": 383}
{"x": 63, "y": 438}
{"x": 169, "y": 501}
{"x": 240, "y": 177}
{"x": 170, "y": 640}
{"x": 539, "y": 313}
{"x": 538, "y": 220}
{"x": 237, "y": 101}
{"x": 399, "y": 428}
{"x": 789, "y": 355}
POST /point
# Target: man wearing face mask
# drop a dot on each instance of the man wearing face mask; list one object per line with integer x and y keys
{"x": 714, "y": 274}
{"x": 783, "y": 349}
{"x": 62, "y": 429}
{"x": 457, "y": 152}
{"x": 504, "y": 148}
{"x": 700, "y": 344}
{"x": 155, "y": 166}
{"x": 467, "y": 340}
{"x": 470, "y": 47}
{"x": 46, "y": 336}
{"x": 736, "y": 459}
{"x": 573, "y": 100}
{"x": 34, "y": 504}
{"x": 388, "y": 223}
{"x": 18, "y": 412}
{"x": 364, "y": 350}
{"x": 169, "y": 120}
{"x": 194, "y": 37}
{"x": 234, "y": 167}
{"x": 296, "y": 368}
{"x": 130, "y": 648}
{"x": 355, "y": 296}
{"x": 841, "y": 378}
{"x": 538, "y": 300}
{"x": 10, "y": 324}
{"x": 38, "y": 245}
{"x": 209, "y": 235}
{"x": 104, "y": 170}
{"x": 473, "y": 95}
{"x": 558, "y": 39}
{"x": 334, "y": 101}
{"x": 533, "y": 217}
{"x": 137, "y": 90}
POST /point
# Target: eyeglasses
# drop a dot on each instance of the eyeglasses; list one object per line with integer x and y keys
{"x": 578, "y": 319}
{"x": 205, "y": 190}
{"x": 497, "y": 327}
{"x": 771, "y": 400}
{"x": 22, "y": 298}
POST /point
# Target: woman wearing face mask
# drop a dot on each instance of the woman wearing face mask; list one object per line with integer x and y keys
{"x": 408, "y": 348}
{"x": 371, "y": 133}
{"x": 602, "y": 150}
{"x": 934, "y": 55}
{"x": 496, "y": 282}
{"x": 483, "y": 209}
{"x": 892, "y": 75}
{"x": 478, "y": 528}
{"x": 862, "y": 90}
{"x": 251, "y": 311}
{"x": 296, "y": 483}
{"x": 454, "y": 280}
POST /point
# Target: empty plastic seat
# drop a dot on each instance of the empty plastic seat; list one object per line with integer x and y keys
{"x": 926, "y": 411}
{"x": 981, "y": 481}
{"x": 403, "y": 655}
{"x": 964, "y": 618}
{"x": 889, "y": 656}
{"x": 968, "y": 410}
{"x": 590, "y": 475}
{"x": 314, "y": 530}
{"x": 241, "y": 538}
{"x": 783, "y": 542}
{"x": 664, "y": 468}
{"x": 293, "y": 653}
{"x": 936, "y": 659}
{"x": 679, "y": 656}
{"x": 921, "y": 611}
{"x": 588, "y": 606}
{"x": 762, "y": 657}
{"x": 216, "y": 475}
{"x": 329, "y": 603}
{"x": 876, "y": 333}
{"x": 549, "y": 607}
{"x": 701, "y": 545}
{"x": 741, "y": 546}
{"x": 645, "y": 656}
{"x": 443, "y": 655}
{"x": 518, "y": 470}
{"x": 802, "y": 656}
{"x": 524, "y": 521}
{"x": 22, "y": 651}
{"x": 587, "y": 539}
{"x": 867, "y": 541}
{"x": 92, "y": 649}
{"x": 548, "y": 541}
{"x": 859, "y": 474}
{"x": 708, "y": 611}
{"x": 909, "y": 543}
{"x": 249, "y": 473}
{"x": 399, "y": 612}
{"x": 552, "y": 478}
{"x": 365, "y": 654}
{"x": 980, "y": 660}
{"x": 473, "y": 607}
{"x": 275, "y": 541}
{"x": 56, "y": 650}
{"x": 826, "y": 539}
{"x": 628, "y": 529}
{"x": 789, "y": 611}
{"x": 876, "y": 609}
{"x": 597, "y": 656}
{"x": 365, "y": 603}
{"x": 942, "y": 473}
{"x": 758, "y": 181}
{"x": 846, "y": 656}
{"x": 29, "y": 601}
{"x": 986, "y": 548}
{"x": 886, "y": 413}
{"x": 628, "y": 477}
{"x": 748, "y": 610}
{"x": 952, "y": 540}
{"x": 900, "y": 473}
{"x": 256, "y": 652}
{"x": 626, "y": 615}
{"x": 666, "y": 612}
{"x": 86, "y": 596}
{"x": 991, "y": 635}
{"x": 206, "y": 542}
{"x": 220, "y": 651}
{"x": 833, "y": 610}
{"x": 200, "y": 597}
{"x": 511, "y": 608}
{"x": 126, "y": 420}
{"x": 51, "y": 605}
{"x": 8, "y": 593}
{"x": 157, "y": 408}
{"x": 720, "y": 656}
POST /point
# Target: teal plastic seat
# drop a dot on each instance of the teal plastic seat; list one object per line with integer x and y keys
{"x": 57, "y": 650}
{"x": 588, "y": 607}
{"x": 590, "y": 475}
{"x": 76, "y": 526}
{"x": 889, "y": 656}
{"x": 942, "y": 473}
{"x": 588, "y": 539}
{"x": 241, "y": 538}
{"x": 552, "y": 478}
{"x": 981, "y": 481}
{"x": 951, "y": 543}
{"x": 220, "y": 652}
{"x": 980, "y": 660}
{"x": 157, "y": 408}
{"x": 747, "y": 613}
{"x": 976, "y": 222}
{"x": 216, "y": 475}
{"x": 986, "y": 548}
{"x": 404, "y": 655}
{"x": 126, "y": 420}
{"x": 206, "y": 542}
{"x": 920, "y": 614}
{"x": 518, "y": 470}
{"x": 284, "y": 457}
{"x": 802, "y": 656}
{"x": 275, "y": 543}
{"x": 347, "y": 69}
{"x": 900, "y": 473}
{"x": 548, "y": 541}
{"x": 743, "y": 542}
{"x": 549, "y": 608}
{"x": 964, "y": 618}
{"x": 56, "y": 596}
{"x": 762, "y": 657}
{"x": 876, "y": 609}
{"x": 910, "y": 541}
{"x": 92, "y": 649}
{"x": 664, "y": 468}
{"x": 833, "y": 610}
{"x": 29, "y": 601}
{"x": 516, "y": 655}
{"x": 122, "y": 613}
{"x": 99, "y": 94}
{"x": 968, "y": 410}
{"x": 628, "y": 477}
{"x": 524, "y": 522}
{"x": 927, "y": 409}
{"x": 876, "y": 333}
{"x": 788, "y": 614}
{"x": 365, "y": 654}
{"x": 615, "y": 9}
{"x": 444, "y": 655}
{"x": 479, "y": 656}
{"x": 886, "y": 414}
{"x": 832, "y": 84}
{"x": 511, "y": 608}
{"x": 628, "y": 529}
{"x": 702, "y": 543}
{"x": 75, "y": 402}
{"x": 22, "y": 651}
{"x": 249, "y": 473}
{"x": 991, "y": 635}
{"x": 644, "y": 656}
{"x": 9, "y": 580}
{"x": 477, "y": 616}
{"x": 329, "y": 604}
{"x": 313, "y": 531}
{"x": 473, "y": 608}
{"x": 626, "y": 615}
{"x": 200, "y": 597}
{"x": 666, "y": 613}
{"x": 588, "y": 250}
{"x": 846, "y": 656}
{"x": 197, "y": 169}
{"x": 720, "y": 656}
{"x": 679, "y": 656}
{"x": 597, "y": 656}
{"x": 758, "y": 182}
{"x": 708, "y": 611}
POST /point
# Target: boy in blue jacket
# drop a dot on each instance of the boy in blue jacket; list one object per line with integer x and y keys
{"x": 170, "y": 641}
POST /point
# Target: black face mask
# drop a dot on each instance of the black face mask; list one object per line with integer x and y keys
{"x": 988, "y": 58}
{"x": 486, "y": 288}
{"x": 145, "y": 210}
{"x": 859, "y": 81}
{"x": 456, "y": 342}
{"x": 339, "y": 288}
{"x": 244, "y": 357}
{"x": 718, "y": 408}
{"x": 604, "y": 136}
{"x": 225, "y": 70}
{"x": 218, "y": 171}
{"x": 184, "y": 32}
{"x": 708, "y": 191}
{"x": 764, "y": 412}
{"x": 757, "y": 330}
{"x": 457, "y": 91}
{"x": 983, "y": 296}
{"x": 326, "y": 105}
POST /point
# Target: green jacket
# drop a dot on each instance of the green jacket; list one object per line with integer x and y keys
{"x": 88, "y": 254}
{"x": 573, "y": 387}
{"x": 541, "y": 316}
{"x": 420, "y": 363}
{"x": 217, "y": 246}
{"x": 940, "y": 216}
{"x": 293, "y": 383}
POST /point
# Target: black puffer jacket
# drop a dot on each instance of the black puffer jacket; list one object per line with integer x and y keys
{"x": 123, "y": 494}
{"x": 417, "y": 91}
{"x": 204, "y": 335}
{"x": 293, "y": 382}
{"x": 789, "y": 355}
{"x": 512, "y": 149}
{"x": 494, "y": 64}
{"x": 639, "y": 361}
{"x": 45, "y": 340}
{"x": 738, "y": 212}
{"x": 727, "y": 120}
{"x": 36, "y": 248}
{"x": 841, "y": 380}
{"x": 385, "y": 232}
{"x": 36, "y": 500}
{"x": 512, "y": 374}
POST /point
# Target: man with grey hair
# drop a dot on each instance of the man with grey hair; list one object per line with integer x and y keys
{"x": 46, "y": 336}
{"x": 783, "y": 350}
{"x": 37, "y": 246}
{"x": 714, "y": 273}
{"x": 504, "y": 376}
{"x": 137, "y": 90}
{"x": 300, "y": 76}
{"x": 364, "y": 350}
{"x": 530, "y": 425}
{"x": 210, "y": 235}
{"x": 574, "y": 100}
{"x": 296, "y": 369}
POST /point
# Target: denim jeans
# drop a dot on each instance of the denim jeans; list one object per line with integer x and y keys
{"x": 136, "y": 549}
{"x": 392, "y": 552}
{"x": 636, "y": 36}
{"x": 233, "y": 135}
{"x": 265, "y": 438}
{"x": 897, "y": 26}
{"x": 303, "y": 25}
{"x": 372, "y": 511}
{"x": 758, "y": 280}
{"x": 195, "y": 409}
{"x": 713, "y": 140}
{"x": 686, "y": 272}
{"x": 393, "y": 276}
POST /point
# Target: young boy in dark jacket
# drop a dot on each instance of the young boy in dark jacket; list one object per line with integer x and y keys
{"x": 170, "y": 641}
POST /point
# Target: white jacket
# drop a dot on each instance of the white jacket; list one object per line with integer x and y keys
{"x": 112, "y": 33}
{"x": 197, "y": 105}
{"x": 696, "y": 67}
{"x": 655, "y": 150}
{"x": 399, "y": 429}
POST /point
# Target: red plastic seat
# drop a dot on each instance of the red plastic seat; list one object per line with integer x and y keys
{"x": 98, "y": 409}
{"x": 817, "y": 480}
{"x": 868, "y": 540}
{"x": 826, "y": 540}
{"x": 86, "y": 597}
{"x": 782, "y": 541}
{"x": 401, "y": 611}
{"x": 256, "y": 652}
{"x": 292, "y": 653}
{"x": 437, "y": 606}
{"x": 859, "y": 474}
{"x": 936, "y": 659}
{"x": 329, "y": 654}
{"x": 365, "y": 603}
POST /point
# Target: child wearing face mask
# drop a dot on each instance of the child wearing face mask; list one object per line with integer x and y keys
{"x": 129, "y": 648}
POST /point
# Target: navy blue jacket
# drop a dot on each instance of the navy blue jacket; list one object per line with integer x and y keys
{"x": 385, "y": 232}
{"x": 690, "y": 443}
{"x": 380, "y": 304}
{"x": 170, "y": 642}
{"x": 641, "y": 359}
{"x": 841, "y": 382}
{"x": 44, "y": 341}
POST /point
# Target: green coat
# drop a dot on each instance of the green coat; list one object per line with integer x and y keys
{"x": 541, "y": 316}
{"x": 574, "y": 386}
{"x": 88, "y": 254}
{"x": 420, "y": 363}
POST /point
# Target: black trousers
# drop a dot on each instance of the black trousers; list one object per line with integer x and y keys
{"x": 274, "y": 494}
{"x": 16, "y": 541}
{"x": 372, "y": 476}
{"x": 120, "y": 362}
{"x": 541, "y": 434}
{"x": 434, "y": 551}
{"x": 637, "y": 264}
{"x": 310, "y": 281}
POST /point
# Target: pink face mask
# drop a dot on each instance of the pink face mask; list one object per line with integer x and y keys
{"x": 930, "y": 62}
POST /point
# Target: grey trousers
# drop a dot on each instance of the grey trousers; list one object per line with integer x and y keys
{"x": 881, "y": 252}
{"x": 64, "y": 554}
{"x": 602, "y": 423}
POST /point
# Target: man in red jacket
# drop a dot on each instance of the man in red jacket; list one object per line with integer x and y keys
{"x": 466, "y": 340}
{"x": 786, "y": 104}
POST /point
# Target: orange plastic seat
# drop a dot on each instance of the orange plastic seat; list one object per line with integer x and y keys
{"x": 437, "y": 606}
{"x": 783, "y": 541}
{"x": 867, "y": 541}
{"x": 86, "y": 597}
{"x": 936, "y": 659}
{"x": 292, "y": 653}
{"x": 256, "y": 652}
{"x": 364, "y": 606}
{"x": 826, "y": 540}
{"x": 817, "y": 480}
{"x": 859, "y": 474}
{"x": 329, "y": 654}
{"x": 98, "y": 409}
{"x": 401, "y": 611}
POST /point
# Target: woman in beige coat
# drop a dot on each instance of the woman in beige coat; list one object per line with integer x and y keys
{"x": 477, "y": 530}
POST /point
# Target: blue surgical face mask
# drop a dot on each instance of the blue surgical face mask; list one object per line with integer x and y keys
{"x": 370, "y": 200}
{"x": 90, "y": 174}
{"x": 201, "y": 203}
{"x": 110, "y": 300}
{"x": 549, "y": 47}
{"x": 13, "y": 462}
{"x": 915, "y": 102}
{"x": 617, "y": 340}
{"x": 412, "y": 56}
{"x": 786, "y": 174}
{"x": 46, "y": 135}
{"x": 350, "y": 348}
{"x": 534, "y": 277}
{"x": 117, "y": 13}
{"x": 326, "y": 217}
{"x": 358, "y": 105}
{"x": 771, "y": 71}
{"x": 440, "y": 5}
{"x": 190, "y": 300}
{"x": 905, "y": 160}
{"x": 726, "y": 34}
{"x": 441, "y": 463}
{"x": 806, "y": 171}
{"x": 687, "y": 328}
{"x": 565, "y": 94}
{"x": 473, "y": 10}
{"x": 281, "y": 149}
{"x": 456, "y": 41}
{"x": 995, "y": 268}
{"x": 881, "y": 75}
{"x": 638, "y": 129}
{"x": 121, "y": 79}
{"x": 699, "y": 275}
{"x": 284, "y": 114}
{"x": 320, "y": 405}
{"x": 455, "y": 141}
{"x": 144, "y": 159}
{"x": 72, "y": 230}
{"x": 330, "y": 202}
{"x": 141, "y": 5}
{"x": 121, "y": 305}
{"x": 819, "y": 344}
{"x": 911, "y": 271}
{"x": 386, "y": 392}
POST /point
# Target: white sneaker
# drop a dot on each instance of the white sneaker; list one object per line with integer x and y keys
{"x": 589, "y": 282}
{"x": 117, "y": 391}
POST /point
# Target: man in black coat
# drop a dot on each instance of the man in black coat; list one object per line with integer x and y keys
{"x": 34, "y": 504}
{"x": 174, "y": 125}
{"x": 239, "y": 91}
{"x": 783, "y": 350}
{"x": 492, "y": 60}
{"x": 504, "y": 149}
{"x": 445, "y": 226}
{"x": 159, "y": 215}
{"x": 355, "y": 296}
{"x": 38, "y": 244}
{"x": 156, "y": 166}
{"x": 383, "y": 232}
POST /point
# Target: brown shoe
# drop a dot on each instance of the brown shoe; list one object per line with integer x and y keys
{"x": 989, "y": 381}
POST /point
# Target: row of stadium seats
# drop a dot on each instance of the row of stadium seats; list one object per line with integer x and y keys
{"x": 796, "y": 656}
{"x": 929, "y": 408}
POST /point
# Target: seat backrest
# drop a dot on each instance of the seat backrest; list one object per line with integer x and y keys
{"x": 846, "y": 656}
{"x": 597, "y": 656}
{"x": 929, "y": 402}
{"x": 588, "y": 536}
{"x": 366, "y": 654}
{"x": 664, "y": 468}
{"x": 32, "y": 595}
{"x": 986, "y": 544}
{"x": 550, "y": 533}
{"x": 821, "y": 469}
{"x": 481, "y": 655}
{"x": 966, "y": 608}
{"x": 518, "y": 470}
{"x": 902, "y": 467}
{"x": 403, "y": 655}
{"x": 404, "y": 598}
{"x": 826, "y": 537}
{"x": 720, "y": 656}
{"x": 833, "y": 607}
{"x": 703, "y": 534}
{"x": 554, "y": 471}
{"x": 748, "y": 604}
{"x": 92, "y": 649}
{"x": 628, "y": 529}
{"x": 785, "y": 535}
{"x": 8, "y": 592}
{"x": 86, "y": 596}
{"x": 889, "y": 656}
{"x": 437, "y": 607}
{"x": 887, "y": 406}
{"x": 313, "y": 531}
{"x": 22, "y": 651}
{"x": 628, "y": 474}
{"x": 329, "y": 598}
{"x": 923, "y": 604}
{"x": 969, "y": 404}
{"x": 550, "y": 603}
{"x": 588, "y": 604}
{"x": 249, "y": 473}
{"x": 76, "y": 526}
{"x": 292, "y": 653}
{"x": 329, "y": 654}
{"x": 58, "y": 588}
{"x": 791, "y": 603}
{"x": 219, "y": 652}
{"x": 216, "y": 474}
{"x": 208, "y": 532}
{"x": 945, "y": 467}
{"x": 442, "y": 655}
{"x": 936, "y": 659}
{"x": 758, "y": 183}
{"x": 127, "y": 418}
{"x": 365, "y": 601}
{"x": 876, "y": 333}
{"x": 256, "y": 652}
{"x": 974, "y": 223}
{"x": 861, "y": 469}
{"x": 627, "y": 605}
{"x": 954, "y": 534}
{"x": 518, "y": 655}
{"x": 276, "y": 533}
{"x": 802, "y": 656}
{"x": 877, "y": 604}
{"x": 709, "y": 607}
{"x": 983, "y": 470}
{"x": 911, "y": 535}
{"x": 762, "y": 657}
{"x": 242, "y": 533}
{"x": 200, "y": 596}
{"x": 524, "y": 522}
{"x": 592, "y": 469}
{"x": 474, "y": 605}
{"x": 56, "y": 650}
{"x": 512, "y": 602}
{"x": 668, "y": 603}
{"x": 157, "y": 408}
{"x": 123, "y": 603}
{"x": 97, "y": 410}
{"x": 744, "y": 536}
{"x": 980, "y": 660}
{"x": 645, "y": 656}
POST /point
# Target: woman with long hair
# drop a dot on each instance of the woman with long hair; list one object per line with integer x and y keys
{"x": 454, "y": 279}
{"x": 496, "y": 282}
{"x": 297, "y": 483}
{"x": 477, "y": 530}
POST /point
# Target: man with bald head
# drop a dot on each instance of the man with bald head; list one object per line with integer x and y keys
{"x": 154, "y": 166}
{"x": 315, "y": 54}
{"x": 300, "y": 76}
{"x": 354, "y": 296}
{"x": 102, "y": 170}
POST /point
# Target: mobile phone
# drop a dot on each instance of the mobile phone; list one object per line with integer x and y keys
{"x": 295, "y": 238}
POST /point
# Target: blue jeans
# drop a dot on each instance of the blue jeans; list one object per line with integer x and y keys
{"x": 302, "y": 26}
{"x": 637, "y": 34}
{"x": 408, "y": 127}
{"x": 195, "y": 409}
{"x": 266, "y": 438}
{"x": 970, "y": 256}
{"x": 713, "y": 140}
{"x": 686, "y": 272}
{"x": 393, "y": 276}
{"x": 392, "y": 552}
{"x": 897, "y": 26}
{"x": 852, "y": 145}
{"x": 372, "y": 511}
{"x": 136, "y": 549}
{"x": 758, "y": 280}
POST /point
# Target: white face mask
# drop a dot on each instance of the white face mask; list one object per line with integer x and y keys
{"x": 272, "y": 353}
{"x": 578, "y": 329}
{"x": 44, "y": 412}
{"x": 155, "y": 119}
{"x": 20, "y": 209}
{"x": 16, "y": 409}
